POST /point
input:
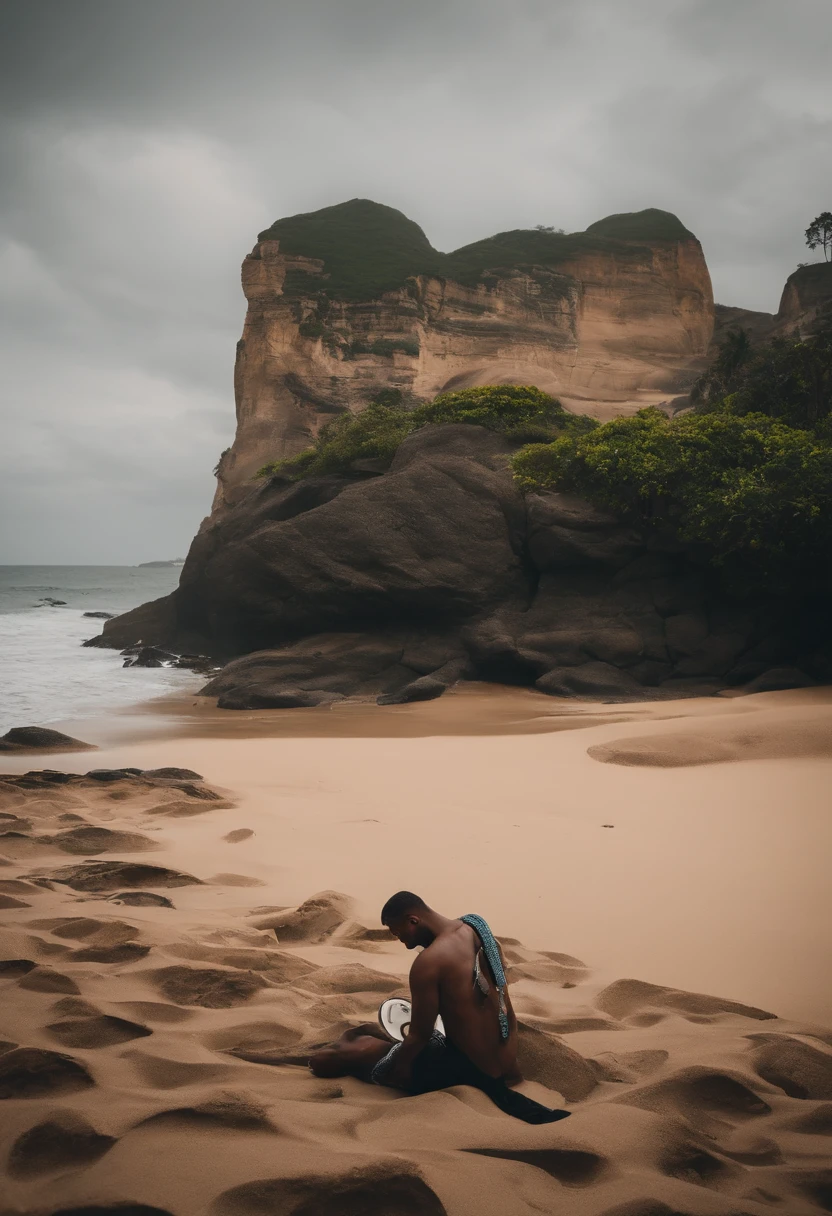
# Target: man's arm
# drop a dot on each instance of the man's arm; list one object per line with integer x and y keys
{"x": 424, "y": 996}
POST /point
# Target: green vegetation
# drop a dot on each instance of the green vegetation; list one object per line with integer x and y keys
{"x": 521, "y": 412}
{"x": 787, "y": 378}
{"x": 747, "y": 476}
{"x": 368, "y": 248}
{"x": 819, "y": 234}
{"x": 525, "y": 247}
{"x": 648, "y": 225}
{"x": 374, "y": 434}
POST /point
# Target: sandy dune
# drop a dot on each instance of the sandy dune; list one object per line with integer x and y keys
{"x": 169, "y": 954}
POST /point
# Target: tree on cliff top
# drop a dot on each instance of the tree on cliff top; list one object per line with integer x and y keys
{"x": 819, "y": 233}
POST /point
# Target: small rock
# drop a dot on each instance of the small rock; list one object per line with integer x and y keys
{"x": 101, "y": 616}
{"x": 176, "y": 774}
{"x": 113, "y": 774}
{"x": 150, "y": 656}
{"x": 425, "y": 689}
{"x": 140, "y": 899}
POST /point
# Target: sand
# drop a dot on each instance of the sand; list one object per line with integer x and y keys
{"x": 164, "y": 969}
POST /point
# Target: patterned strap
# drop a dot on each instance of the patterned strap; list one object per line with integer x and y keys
{"x": 495, "y": 963}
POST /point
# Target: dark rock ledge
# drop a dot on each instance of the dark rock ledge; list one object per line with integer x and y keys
{"x": 397, "y": 586}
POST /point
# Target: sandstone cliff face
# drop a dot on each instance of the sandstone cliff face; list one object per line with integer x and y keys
{"x": 806, "y": 299}
{"x": 607, "y": 324}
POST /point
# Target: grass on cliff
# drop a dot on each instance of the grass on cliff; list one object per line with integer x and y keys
{"x": 521, "y": 412}
{"x": 368, "y": 248}
{"x": 747, "y": 477}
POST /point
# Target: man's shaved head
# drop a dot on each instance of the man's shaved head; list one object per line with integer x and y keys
{"x": 400, "y": 905}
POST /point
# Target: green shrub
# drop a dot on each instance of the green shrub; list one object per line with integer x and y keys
{"x": 517, "y": 411}
{"x": 755, "y": 492}
{"x": 312, "y": 329}
{"x": 500, "y": 407}
{"x": 374, "y": 434}
{"x": 787, "y": 378}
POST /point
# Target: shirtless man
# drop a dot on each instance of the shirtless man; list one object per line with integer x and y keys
{"x": 451, "y": 978}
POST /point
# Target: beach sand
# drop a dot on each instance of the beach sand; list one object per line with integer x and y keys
{"x": 642, "y": 855}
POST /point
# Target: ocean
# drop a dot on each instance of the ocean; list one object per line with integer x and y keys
{"x": 46, "y": 675}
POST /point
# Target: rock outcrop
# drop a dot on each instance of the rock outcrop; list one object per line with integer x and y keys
{"x": 805, "y": 303}
{"x": 398, "y": 585}
{"x": 353, "y": 299}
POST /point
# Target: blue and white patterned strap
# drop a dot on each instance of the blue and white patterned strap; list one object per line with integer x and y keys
{"x": 495, "y": 963}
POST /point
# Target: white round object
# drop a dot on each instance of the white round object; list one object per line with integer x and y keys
{"x": 394, "y": 1018}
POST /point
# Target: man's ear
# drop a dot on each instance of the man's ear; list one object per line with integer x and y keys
{"x": 413, "y": 919}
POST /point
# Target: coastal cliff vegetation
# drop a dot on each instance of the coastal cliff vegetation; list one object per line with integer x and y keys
{"x": 745, "y": 477}
{"x": 521, "y": 412}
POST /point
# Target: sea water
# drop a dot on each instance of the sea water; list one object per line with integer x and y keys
{"x": 46, "y": 675}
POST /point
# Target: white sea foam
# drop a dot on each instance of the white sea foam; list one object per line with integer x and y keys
{"x": 46, "y": 675}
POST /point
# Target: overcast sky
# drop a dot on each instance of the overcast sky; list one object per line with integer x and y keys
{"x": 146, "y": 142}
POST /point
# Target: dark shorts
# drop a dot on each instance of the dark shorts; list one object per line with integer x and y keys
{"x": 440, "y": 1065}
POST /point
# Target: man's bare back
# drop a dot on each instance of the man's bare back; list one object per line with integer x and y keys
{"x": 444, "y": 971}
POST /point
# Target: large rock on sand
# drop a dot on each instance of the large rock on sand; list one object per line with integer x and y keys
{"x": 41, "y": 739}
{"x": 396, "y": 586}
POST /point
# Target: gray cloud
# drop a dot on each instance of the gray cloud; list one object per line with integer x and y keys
{"x": 144, "y": 145}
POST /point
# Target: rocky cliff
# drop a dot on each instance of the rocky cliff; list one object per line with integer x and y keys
{"x": 439, "y": 570}
{"x": 397, "y": 583}
{"x": 353, "y": 299}
{"x": 805, "y": 303}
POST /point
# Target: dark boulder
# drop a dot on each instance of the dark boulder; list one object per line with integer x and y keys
{"x": 40, "y": 738}
{"x": 150, "y": 656}
{"x": 565, "y": 532}
{"x": 334, "y": 664}
{"x": 175, "y": 774}
{"x": 154, "y": 622}
{"x": 266, "y": 697}
{"x": 435, "y": 540}
{"x": 777, "y": 679}
{"x": 592, "y": 680}
{"x": 101, "y": 616}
